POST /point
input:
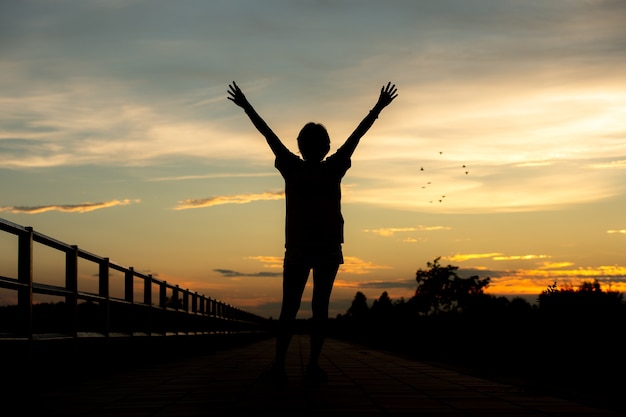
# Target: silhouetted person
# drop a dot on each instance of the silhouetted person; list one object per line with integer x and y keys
{"x": 314, "y": 224}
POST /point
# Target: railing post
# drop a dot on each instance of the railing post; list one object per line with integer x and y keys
{"x": 25, "y": 276}
{"x": 202, "y": 305}
{"x": 194, "y": 312}
{"x": 163, "y": 295}
{"x": 103, "y": 287}
{"x": 71, "y": 284}
{"x": 147, "y": 291}
{"x": 185, "y": 300}
{"x": 163, "y": 313}
{"x": 175, "y": 304}
{"x": 129, "y": 276}
{"x": 147, "y": 300}
{"x": 228, "y": 314}
{"x": 186, "y": 318}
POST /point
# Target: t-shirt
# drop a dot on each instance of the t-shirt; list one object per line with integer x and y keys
{"x": 313, "y": 199}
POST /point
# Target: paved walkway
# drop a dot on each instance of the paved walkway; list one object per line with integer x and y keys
{"x": 362, "y": 382}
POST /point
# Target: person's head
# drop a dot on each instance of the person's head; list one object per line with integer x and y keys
{"x": 313, "y": 142}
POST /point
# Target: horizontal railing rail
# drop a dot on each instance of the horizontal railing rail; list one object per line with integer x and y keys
{"x": 80, "y": 313}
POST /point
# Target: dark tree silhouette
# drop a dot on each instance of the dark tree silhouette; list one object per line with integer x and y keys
{"x": 382, "y": 309}
{"x": 359, "y": 310}
{"x": 588, "y": 299}
{"x": 441, "y": 290}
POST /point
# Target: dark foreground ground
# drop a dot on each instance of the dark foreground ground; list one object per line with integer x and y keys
{"x": 574, "y": 355}
{"x": 363, "y": 381}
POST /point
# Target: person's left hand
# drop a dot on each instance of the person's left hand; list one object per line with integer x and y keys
{"x": 237, "y": 96}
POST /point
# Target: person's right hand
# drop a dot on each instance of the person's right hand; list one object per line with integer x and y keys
{"x": 237, "y": 96}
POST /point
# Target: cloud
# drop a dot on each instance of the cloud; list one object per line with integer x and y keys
{"x": 620, "y": 231}
{"x": 354, "y": 265}
{"x": 213, "y": 176}
{"x": 228, "y": 199}
{"x": 468, "y": 256}
{"x": 413, "y": 240}
{"x": 555, "y": 265}
{"x": 68, "y": 208}
{"x": 269, "y": 261}
{"x": 534, "y": 281}
{"x": 519, "y": 257}
{"x": 610, "y": 165}
{"x": 496, "y": 256}
{"x": 351, "y": 265}
{"x": 604, "y": 272}
{"x": 234, "y": 274}
{"x": 390, "y": 231}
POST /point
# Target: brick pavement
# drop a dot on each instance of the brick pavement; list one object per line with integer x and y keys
{"x": 362, "y": 382}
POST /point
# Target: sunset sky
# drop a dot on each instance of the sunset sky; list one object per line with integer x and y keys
{"x": 504, "y": 153}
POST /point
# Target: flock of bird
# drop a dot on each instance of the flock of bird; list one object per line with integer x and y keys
{"x": 440, "y": 199}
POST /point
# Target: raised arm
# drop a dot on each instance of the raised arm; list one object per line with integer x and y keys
{"x": 387, "y": 94}
{"x": 237, "y": 97}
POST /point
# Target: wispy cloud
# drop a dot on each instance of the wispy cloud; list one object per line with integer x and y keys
{"x": 68, "y": 208}
{"x": 228, "y": 199}
{"x": 621, "y": 164}
{"x": 495, "y": 256}
{"x": 354, "y": 265}
{"x": 390, "y": 231}
{"x": 235, "y": 274}
{"x": 555, "y": 265}
{"x": 213, "y": 176}
{"x": 519, "y": 257}
{"x": 620, "y": 231}
{"x": 351, "y": 265}
{"x": 269, "y": 261}
{"x": 613, "y": 271}
{"x": 468, "y": 256}
{"x": 414, "y": 240}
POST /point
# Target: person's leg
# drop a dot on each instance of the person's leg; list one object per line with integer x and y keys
{"x": 323, "y": 280}
{"x": 294, "y": 281}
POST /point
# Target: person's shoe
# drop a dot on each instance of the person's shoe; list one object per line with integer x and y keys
{"x": 275, "y": 374}
{"x": 315, "y": 374}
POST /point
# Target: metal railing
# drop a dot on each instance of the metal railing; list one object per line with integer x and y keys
{"x": 161, "y": 308}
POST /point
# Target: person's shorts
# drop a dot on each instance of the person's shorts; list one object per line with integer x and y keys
{"x": 312, "y": 256}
